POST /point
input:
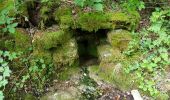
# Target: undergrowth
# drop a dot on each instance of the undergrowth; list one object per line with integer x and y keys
{"x": 155, "y": 46}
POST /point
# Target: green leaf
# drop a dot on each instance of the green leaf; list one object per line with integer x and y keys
{"x": 79, "y": 2}
{"x": 4, "y": 64}
{"x": 1, "y": 95}
{"x": 1, "y": 60}
{"x": 6, "y": 54}
{"x": 1, "y": 77}
{"x": 14, "y": 24}
{"x": 43, "y": 66}
{"x": 7, "y": 72}
{"x": 11, "y": 30}
{"x": 156, "y": 27}
{"x": 98, "y": 1}
{"x": 3, "y": 82}
{"x": 2, "y": 20}
{"x": 164, "y": 56}
{"x": 157, "y": 59}
{"x": 98, "y": 7}
{"x": 1, "y": 69}
{"x": 41, "y": 61}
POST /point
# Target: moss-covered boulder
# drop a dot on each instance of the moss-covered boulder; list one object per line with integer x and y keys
{"x": 51, "y": 40}
{"x": 108, "y": 54}
{"x": 66, "y": 55}
{"x": 128, "y": 20}
{"x": 93, "y": 21}
{"x": 111, "y": 67}
{"x": 114, "y": 75}
{"x": 119, "y": 39}
{"x": 56, "y": 46}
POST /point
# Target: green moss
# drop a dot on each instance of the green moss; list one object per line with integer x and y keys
{"x": 64, "y": 16}
{"x": 66, "y": 21}
{"x": 109, "y": 74}
{"x": 29, "y": 97}
{"x": 109, "y": 20}
{"x": 119, "y": 39}
{"x": 109, "y": 54}
{"x": 66, "y": 55}
{"x": 128, "y": 20}
{"x": 134, "y": 19}
{"x": 7, "y": 5}
{"x": 2, "y": 44}
{"x": 68, "y": 72}
{"x": 62, "y": 11}
{"x": 93, "y": 21}
{"x": 20, "y": 41}
{"x": 51, "y": 40}
{"x": 10, "y": 45}
{"x": 119, "y": 17}
{"x": 42, "y": 54}
{"x": 162, "y": 96}
{"x": 111, "y": 67}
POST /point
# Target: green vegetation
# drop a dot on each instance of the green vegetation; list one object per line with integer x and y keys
{"x": 126, "y": 43}
{"x": 5, "y": 59}
{"x": 96, "y": 5}
{"x": 155, "y": 46}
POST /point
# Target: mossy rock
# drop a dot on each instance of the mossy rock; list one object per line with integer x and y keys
{"x": 68, "y": 72}
{"x": 29, "y": 97}
{"x": 51, "y": 40}
{"x": 20, "y": 41}
{"x": 93, "y": 21}
{"x": 162, "y": 96}
{"x": 108, "y": 54}
{"x": 129, "y": 20}
{"x": 66, "y": 55}
{"x": 114, "y": 75}
{"x": 120, "y": 39}
{"x": 111, "y": 67}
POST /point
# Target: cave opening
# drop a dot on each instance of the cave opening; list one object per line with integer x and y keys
{"x": 88, "y": 43}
